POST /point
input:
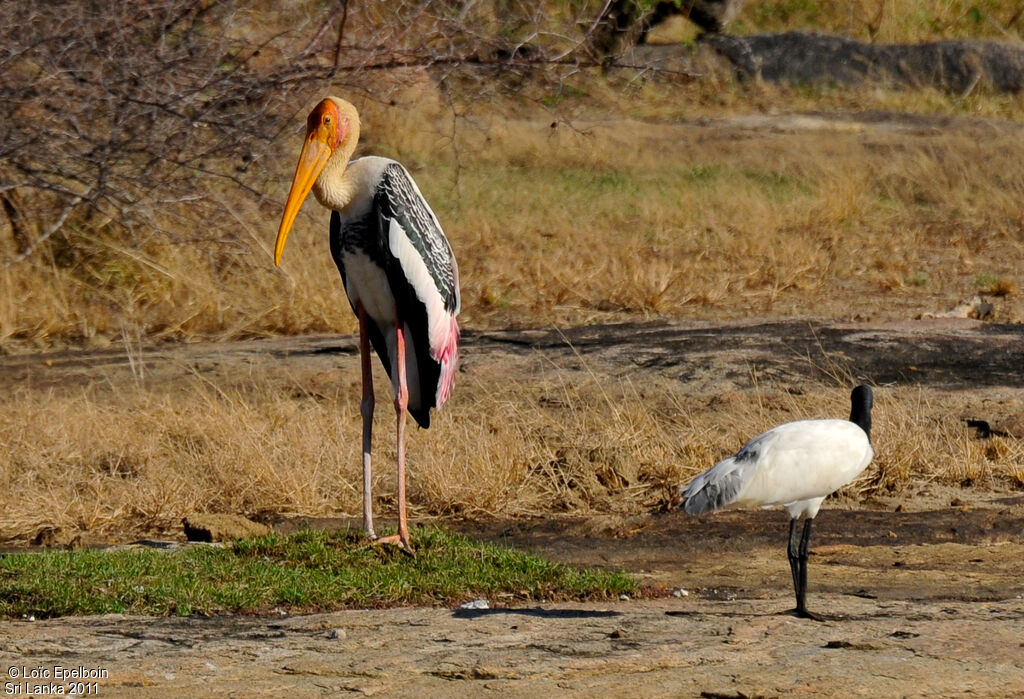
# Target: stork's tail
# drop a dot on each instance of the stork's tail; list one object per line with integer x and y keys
{"x": 448, "y": 358}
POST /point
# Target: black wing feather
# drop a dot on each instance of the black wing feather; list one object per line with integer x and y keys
{"x": 396, "y": 199}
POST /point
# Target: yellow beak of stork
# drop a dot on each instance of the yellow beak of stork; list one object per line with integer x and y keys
{"x": 324, "y": 131}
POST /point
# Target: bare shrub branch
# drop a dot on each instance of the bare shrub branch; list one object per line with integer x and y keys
{"x": 118, "y": 117}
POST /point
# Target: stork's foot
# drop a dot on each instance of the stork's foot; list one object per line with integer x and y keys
{"x": 399, "y": 541}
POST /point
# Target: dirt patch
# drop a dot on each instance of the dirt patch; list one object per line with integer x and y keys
{"x": 939, "y": 353}
{"x": 673, "y": 647}
{"x": 966, "y": 553}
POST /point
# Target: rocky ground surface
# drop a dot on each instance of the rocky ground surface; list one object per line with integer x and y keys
{"x": 957, "y": 66}
{"x": 928, "y": 595}
{"x": 691, "y": 646}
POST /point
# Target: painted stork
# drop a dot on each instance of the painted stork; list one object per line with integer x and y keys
{"x": 398, "y": 271}
{"x": 795, "y": 465}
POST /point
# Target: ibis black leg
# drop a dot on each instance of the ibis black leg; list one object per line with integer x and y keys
{"x": 794, "y": 558}
{"x": 798, "y": 553}
{"x": 801, "y": 590}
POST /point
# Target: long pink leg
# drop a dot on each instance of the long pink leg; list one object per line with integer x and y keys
{"x": 401, "y": 410}
{"x": 366, "y": 408}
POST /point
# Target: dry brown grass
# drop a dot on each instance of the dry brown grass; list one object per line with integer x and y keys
{"x": 586, "y": 197}
{"x": 701, "y": 225}
{"x": 596, "y": 198}
{"x": 889, "y": 21}
{"x": 597, "y": 220}
{"x": 526, "y": 437}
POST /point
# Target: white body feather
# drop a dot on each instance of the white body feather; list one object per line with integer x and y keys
{"x": 795, "y": 465}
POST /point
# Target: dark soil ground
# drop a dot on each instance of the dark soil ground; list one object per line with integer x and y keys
{"x": 946, "y": 353}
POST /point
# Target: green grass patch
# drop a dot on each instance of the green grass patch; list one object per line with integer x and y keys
{"x": 307, "y": 571}
{"x": 603, "y": 199}
{"x": 777, "y": 187}
{"x": 917, "y": 279}
{"x": 701, "y": 174}
{"x": 985, "y": 280}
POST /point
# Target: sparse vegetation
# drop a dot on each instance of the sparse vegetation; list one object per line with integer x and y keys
{"x": 125, "y": 457}
{"x": 994, "y": 285}
{"x": 303, "y": 572}
{"x": 553, "y": 228}
{"x": 891, "y": 21}
{"x": 642, "y": 212}
{"x": 572, "y": 195}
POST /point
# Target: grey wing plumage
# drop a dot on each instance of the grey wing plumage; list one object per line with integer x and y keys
{"x": 398, "y": 199}
{"x": 721, "y": 484}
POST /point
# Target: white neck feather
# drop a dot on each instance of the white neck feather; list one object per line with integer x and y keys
{"x": 349, "y": 187}
{"x": 335, "y": 187}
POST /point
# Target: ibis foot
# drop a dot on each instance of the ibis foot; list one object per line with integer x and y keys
{"x": 805, "y": 614}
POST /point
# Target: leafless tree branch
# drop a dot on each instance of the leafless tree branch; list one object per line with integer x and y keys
{"x": 114, "y": 114}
